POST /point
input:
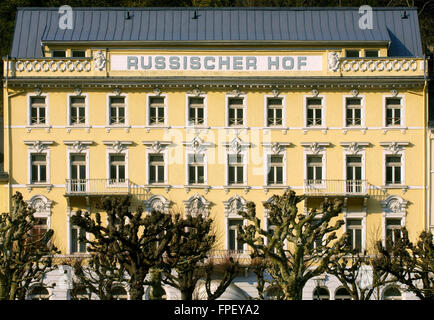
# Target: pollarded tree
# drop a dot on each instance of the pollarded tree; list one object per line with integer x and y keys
{"x": 97, "y": 275}
{"x": 410, "y": 264}
{"x": 136, "y": 241}
{"x": 24, "y": 257}
{"x": 188, "y": 255}
{"x": 357, "y": 273}
{"x": 299, "y": 246}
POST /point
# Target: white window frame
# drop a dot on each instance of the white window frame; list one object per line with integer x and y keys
{"x": 402, "y": 99}
{"x": 121, "y": 95}
{"x": 69, "y": 233}
{"x": 394, "y": 207}
{"x": 268, "y": 165}
{"x": 362, "y": 111}
{"x": 321, "y": 154}
{"x": 359, "y": 150}
{"x": 323, "y": 112}
{"x": 387, "y": 152}
{"x": 230, "y": 215}
{"x": 111, "y": 150}
{"x": 205, "y": 169}
{"x": 227, "y": 98}
{"x": 165, "y": 153}
{"x": 86, "y": 110}
{"x": 29, "y": 110}
{"x": 361, "y": 216}
{"x": 271, "y": 96}
{"x": 205, "y": 110}
{"x": 244, "y": 154}
{"x": 148, "y": 110}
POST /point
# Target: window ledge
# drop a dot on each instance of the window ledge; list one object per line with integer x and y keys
{"x": 188, "y": 187}
{"x": 394, "y": 128}
{"x": 78, "y": 126}
{"x": 354, "y": 128}
{"x": 403, "y": 187}
{"x": 315, "y": 128}
{"x": 110, "y": 127}
{"x": 228, "y": 187}
{"x": 30, "y": 186}
{"x": 45, "y": 126}
{"x": 166, "y": 186}
{"x": 150, "y": 126}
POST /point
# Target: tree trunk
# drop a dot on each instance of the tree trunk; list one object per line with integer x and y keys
{"x": 137, "y": 291}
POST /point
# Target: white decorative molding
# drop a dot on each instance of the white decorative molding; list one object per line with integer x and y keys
{"x": 156, "y": 91}
{"x": 315, "y": 92}
{"x": 354, "y": 147}
{"x": 77, "y": 91}
{"x": 197, "y": 145}
{"x": 38, "y": 145}
{"x": 276, "y": 147}
{"x": 315, "y": 147}
{"x": 233, "y": 206}
{"x": 78, "y": 146}
{"x": 236, "y": 145}
{"x": 158, "y": 203}
{"x": 275, "y": 92}
{"x": 42, "y": 206}
{"x": 196, "y": 92}
{"x": 118, "y": 146}
{"x": 354, "y": 92}
{"x": 99, "y": 60}
{"x": 197, "y": 205}
{"x": 333, "y": 61}
{"x": 394, "y": 92}
{"x": 236, "y": 93}
{"x": 156, "y": 146}
{"x": 394, "y": 147}
{"x": 38, "y": 91}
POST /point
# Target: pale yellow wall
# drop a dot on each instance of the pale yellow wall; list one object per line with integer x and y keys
{"x": 414, "y": 134}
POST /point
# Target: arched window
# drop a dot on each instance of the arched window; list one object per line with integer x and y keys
{"x": 342, "y": 294}
{"x": 119, "y": 293}
{"x": 39, "y": 292}
{"x": 321, "y": 293}
{"x": 392, "y": 293}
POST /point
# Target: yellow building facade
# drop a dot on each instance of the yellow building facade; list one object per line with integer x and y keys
{"x": 203, "y": 126}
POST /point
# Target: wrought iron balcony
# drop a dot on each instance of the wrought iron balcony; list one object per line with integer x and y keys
{"x": 335, "y": 187}
{"x": 98, "y": 186}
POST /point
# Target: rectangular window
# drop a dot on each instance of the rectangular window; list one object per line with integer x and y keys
{"x": 393, "y": 169}
{"x": 39, "y": 168}
{"x": 78, "y": 172}
{"x": 314, "y": 169}
{"x": 77, "y": 110}
{"x": 352, "y": 53}
{"x": 117, "y": 110}
{"x": 234, "y": 242}
{"x": 59, "y": 53}
{"x": 371, "y": 53}
{"x": 236, "y": 169}
{"x": 117, "y": 168}
{"x": 314, "y": 112}
{"x": 393, "y": 111}
{"x": 393, "y": 231}
{"x": 354, "y": 174}
{"x": 39, "y": 229}
{"x": 78, "y": 53}
{"x": 236, "y": 112}
{"x": 156, "y": 168}
{"x": 274, "y": 112}
{"x": 78, "y": 244}
{"x": 275, "y": 173}
{"x": 196, "y": 169}
{"x": 354, "y": 229}
{"x": 354, "y": 112}
{"x": 196, "y": 111}
{"x": 156, "y": 111}
{"x": 38, "y": 110}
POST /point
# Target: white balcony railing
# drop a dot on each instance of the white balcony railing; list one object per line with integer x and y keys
{"x": 97, "y": 186}
{"x": 335, "y": 187}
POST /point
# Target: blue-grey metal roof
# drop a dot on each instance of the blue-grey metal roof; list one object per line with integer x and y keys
{"x": 34, "y": 26}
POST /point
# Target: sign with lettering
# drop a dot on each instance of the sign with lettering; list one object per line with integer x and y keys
{"x": 215, "y": 63}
